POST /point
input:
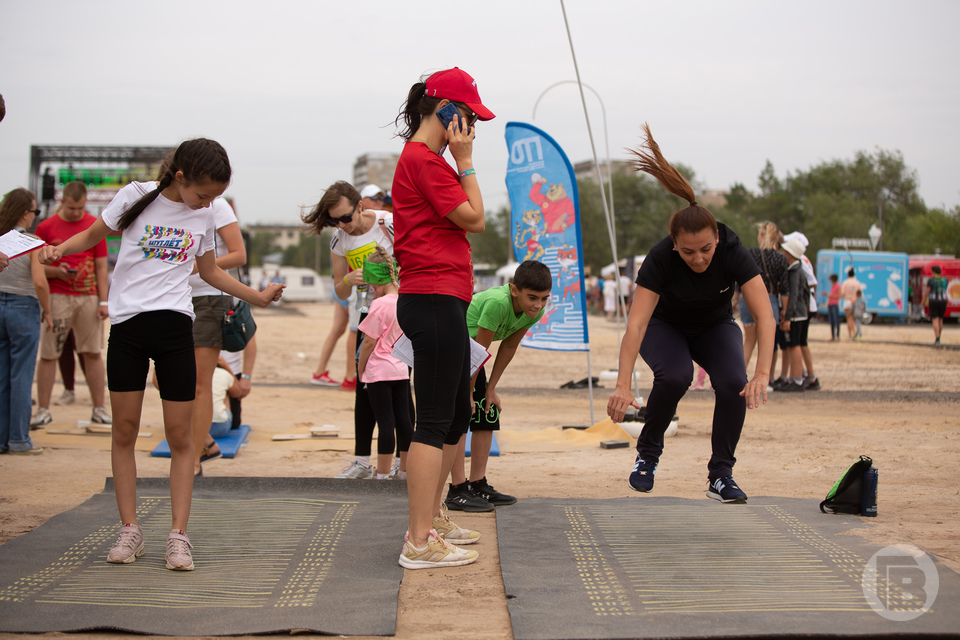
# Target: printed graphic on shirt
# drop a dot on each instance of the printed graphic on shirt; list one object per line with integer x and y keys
{"x": 166, "y": 243}
{"x": 356, "y": 256}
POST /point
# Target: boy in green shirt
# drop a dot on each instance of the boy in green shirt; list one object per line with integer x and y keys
{"x": 501, "y": 313}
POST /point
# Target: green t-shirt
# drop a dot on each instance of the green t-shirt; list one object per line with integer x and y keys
{"x": 493, "y": 310}
{"x": 938, "y": 288}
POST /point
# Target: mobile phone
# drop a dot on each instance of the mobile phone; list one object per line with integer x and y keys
{"x": 446, "y": 114}
{"x": 71, "y": 270}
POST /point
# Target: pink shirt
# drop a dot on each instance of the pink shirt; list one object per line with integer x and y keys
{"x": 381, "y": 325}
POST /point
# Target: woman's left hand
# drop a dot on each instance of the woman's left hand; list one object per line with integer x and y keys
{"x": 755, "y": 390}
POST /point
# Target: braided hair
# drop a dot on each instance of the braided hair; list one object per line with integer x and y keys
{"x": 200, "y": 160}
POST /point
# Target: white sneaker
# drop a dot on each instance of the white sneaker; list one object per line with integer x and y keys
{"x": 100, "y": 416}
{"x": 41, "y": 418}
{"x": 67, "y": 397}
{"x": 437, "y": 553}
{"x": 356, "y": 470}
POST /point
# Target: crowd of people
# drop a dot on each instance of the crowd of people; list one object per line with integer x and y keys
{"x": 402, "y": 271}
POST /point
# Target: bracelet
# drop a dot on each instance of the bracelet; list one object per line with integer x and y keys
{"x": 103, "y": 304}
{"x": 345, "y": 281}
{"x": 245, "y": 376}
{"x": 468, "y": 172}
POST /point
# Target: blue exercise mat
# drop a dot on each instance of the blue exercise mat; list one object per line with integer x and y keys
{"x": 494, "y": 448}
{"x": 229, "y": 444}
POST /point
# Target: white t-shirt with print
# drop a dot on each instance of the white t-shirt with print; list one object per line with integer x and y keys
{"x": 222, "y": 216}
{"x": 156, "y": 253}
{"x": 356, "y": 248}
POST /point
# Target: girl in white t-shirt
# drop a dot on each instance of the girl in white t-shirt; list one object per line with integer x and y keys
{"x": 164, "y": 226}
{"x": 387, "y": 378}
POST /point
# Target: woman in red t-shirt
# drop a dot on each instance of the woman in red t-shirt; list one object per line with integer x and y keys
{"x": 434, "y": 206}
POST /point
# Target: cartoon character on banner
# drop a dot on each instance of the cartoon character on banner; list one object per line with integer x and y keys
{"x": 533, "y": 219}
{"x": 544, "y": 323}
{"x": 568, "y": 279}
{"x": 559, "y": 213}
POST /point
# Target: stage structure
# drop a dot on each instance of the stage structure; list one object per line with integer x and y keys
{"x": 104, "y": 169}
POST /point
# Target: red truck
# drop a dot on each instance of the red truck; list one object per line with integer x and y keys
{"x": 919, "y": 274}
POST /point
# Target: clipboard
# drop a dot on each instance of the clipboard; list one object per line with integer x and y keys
{"x": 403, "y": 351}
{"x": 14, "y": 244}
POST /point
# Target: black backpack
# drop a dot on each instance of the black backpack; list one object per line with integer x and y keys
{"x": 845, "y": 495}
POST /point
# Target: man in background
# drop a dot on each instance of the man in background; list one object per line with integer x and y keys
{"x": 78, "y": 302}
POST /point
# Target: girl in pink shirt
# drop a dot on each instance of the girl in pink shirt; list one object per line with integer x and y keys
{"x": 387, "y": 378}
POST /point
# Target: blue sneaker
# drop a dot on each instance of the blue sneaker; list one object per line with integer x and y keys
{"x": 725, "y": 489}
{"x": 641, "y": 478}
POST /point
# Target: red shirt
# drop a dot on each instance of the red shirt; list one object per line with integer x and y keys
{"x": 433, "y": 252}
{"x": 55, "y": 230}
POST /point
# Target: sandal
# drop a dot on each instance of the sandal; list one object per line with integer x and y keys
{"x": 209, "y": 453}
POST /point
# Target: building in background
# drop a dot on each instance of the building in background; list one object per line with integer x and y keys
{"x": 375, "y": 168}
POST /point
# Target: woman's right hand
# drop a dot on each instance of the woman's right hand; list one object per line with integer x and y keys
{"x": 49, "y": 254}
{"x": 460, "y": 142}
{"x": 618, "y": 403}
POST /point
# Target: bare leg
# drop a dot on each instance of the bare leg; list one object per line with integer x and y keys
{"x": 179, "y": 433}
{"x": 351, "y": 356}
{"x": 424, "y": 466}
{"x": 46, "y": 374}
{"x": 126, "y": 407}
{"x": 457, "y": 475}
{"x": 203, "y": 405}
{"x": 480, "y": 444}
{"x": 808, "y": 361}
{"x": 340, "y": 318}
{"x": 95, "y": 373}
{"x": 749, "y": 342}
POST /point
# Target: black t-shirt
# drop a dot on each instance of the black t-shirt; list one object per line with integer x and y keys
{"x": 693, "y": 301}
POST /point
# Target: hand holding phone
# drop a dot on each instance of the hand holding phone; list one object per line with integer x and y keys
{"x": 446, "y": 114}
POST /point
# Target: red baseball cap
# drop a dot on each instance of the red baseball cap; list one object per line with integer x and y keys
{"x": 456, "y": 85}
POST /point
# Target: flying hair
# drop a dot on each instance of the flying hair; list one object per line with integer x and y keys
{"x": 691, "y": 219}
{"x": 315, "y": 220}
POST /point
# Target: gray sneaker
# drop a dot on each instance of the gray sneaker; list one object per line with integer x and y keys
{"x": 129, "y": 545}
{"x": 356, "y": 470}
{"x": 178, "y": 556}
{"x": 41, "y": 418}
{"x": 67, "y": 397}
{"x": 100, "y": 416}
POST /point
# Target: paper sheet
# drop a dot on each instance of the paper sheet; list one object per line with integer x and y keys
{"x": 13, "y": 243}
{"x": 403, "y": 351}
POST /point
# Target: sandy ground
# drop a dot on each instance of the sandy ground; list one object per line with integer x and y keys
{"x": 892, "y": 397}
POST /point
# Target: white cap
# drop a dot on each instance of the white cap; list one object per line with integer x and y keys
{"x": 798, "y": 236}
{"x": 371, "y": 191}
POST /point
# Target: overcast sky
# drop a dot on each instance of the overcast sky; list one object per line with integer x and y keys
{"x": 296, "y": 90}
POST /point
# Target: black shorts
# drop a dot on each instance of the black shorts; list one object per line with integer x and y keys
{"x": 489, "y": 421}
{"x": 166, "y": 337}
{"x": 938, "y": 309}
{"x": 798, "y": 333}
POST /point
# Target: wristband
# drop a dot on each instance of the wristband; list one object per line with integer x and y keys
{"x": 245, "y": 376}
{"x": 103, "y": 304}
{"x": 345, "y": 281}
{"x": 468, "y": 172}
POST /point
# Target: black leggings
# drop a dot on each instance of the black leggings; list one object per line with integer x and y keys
{"x": 437, "y": 326}
{"x": 668, "y": 352}
{"x": 390, "y": 401}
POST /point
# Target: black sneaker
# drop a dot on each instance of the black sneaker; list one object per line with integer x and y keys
{"x": 811, "y": 385}
{"x": 483, "y": 489}
{"x": 641, "y": 478}
{"x": 779, "y": 383}
{"x": 726, "y": 490}
{"x": 792, "y": 387}
{"x": 461, "y": 498}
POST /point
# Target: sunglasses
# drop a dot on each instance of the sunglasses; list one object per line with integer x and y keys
{"x": 35, "y": 212}
{"x": 332, "y": 222}
{"x": 470, "y": 116}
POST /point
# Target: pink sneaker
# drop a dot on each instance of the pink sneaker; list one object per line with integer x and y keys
{"x": 179, "y": 557}
{"x": 129, "y": 545}
{"x": 324, "y": 380}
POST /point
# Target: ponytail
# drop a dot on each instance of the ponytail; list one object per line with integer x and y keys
{"x": 200, "y": 160}
{"x": 418, "y": 104}
{"x": 690, "y": 219}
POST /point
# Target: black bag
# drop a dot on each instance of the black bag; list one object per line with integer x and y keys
{"x": 238, "y": 326}
{"x": 846, "y": 493}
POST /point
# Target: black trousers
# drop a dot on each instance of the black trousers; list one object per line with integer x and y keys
{"x": 669, "y": 352}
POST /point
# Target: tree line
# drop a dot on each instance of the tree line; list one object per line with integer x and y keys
{"x": 839, "y": 198}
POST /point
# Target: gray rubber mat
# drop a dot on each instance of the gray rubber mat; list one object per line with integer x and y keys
{"x": 271, "y": 555}
{"x": 660, "y": 567}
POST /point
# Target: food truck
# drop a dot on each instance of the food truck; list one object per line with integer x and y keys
{"x": 921, "y": 271}
{"x": 883, "y": 274}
